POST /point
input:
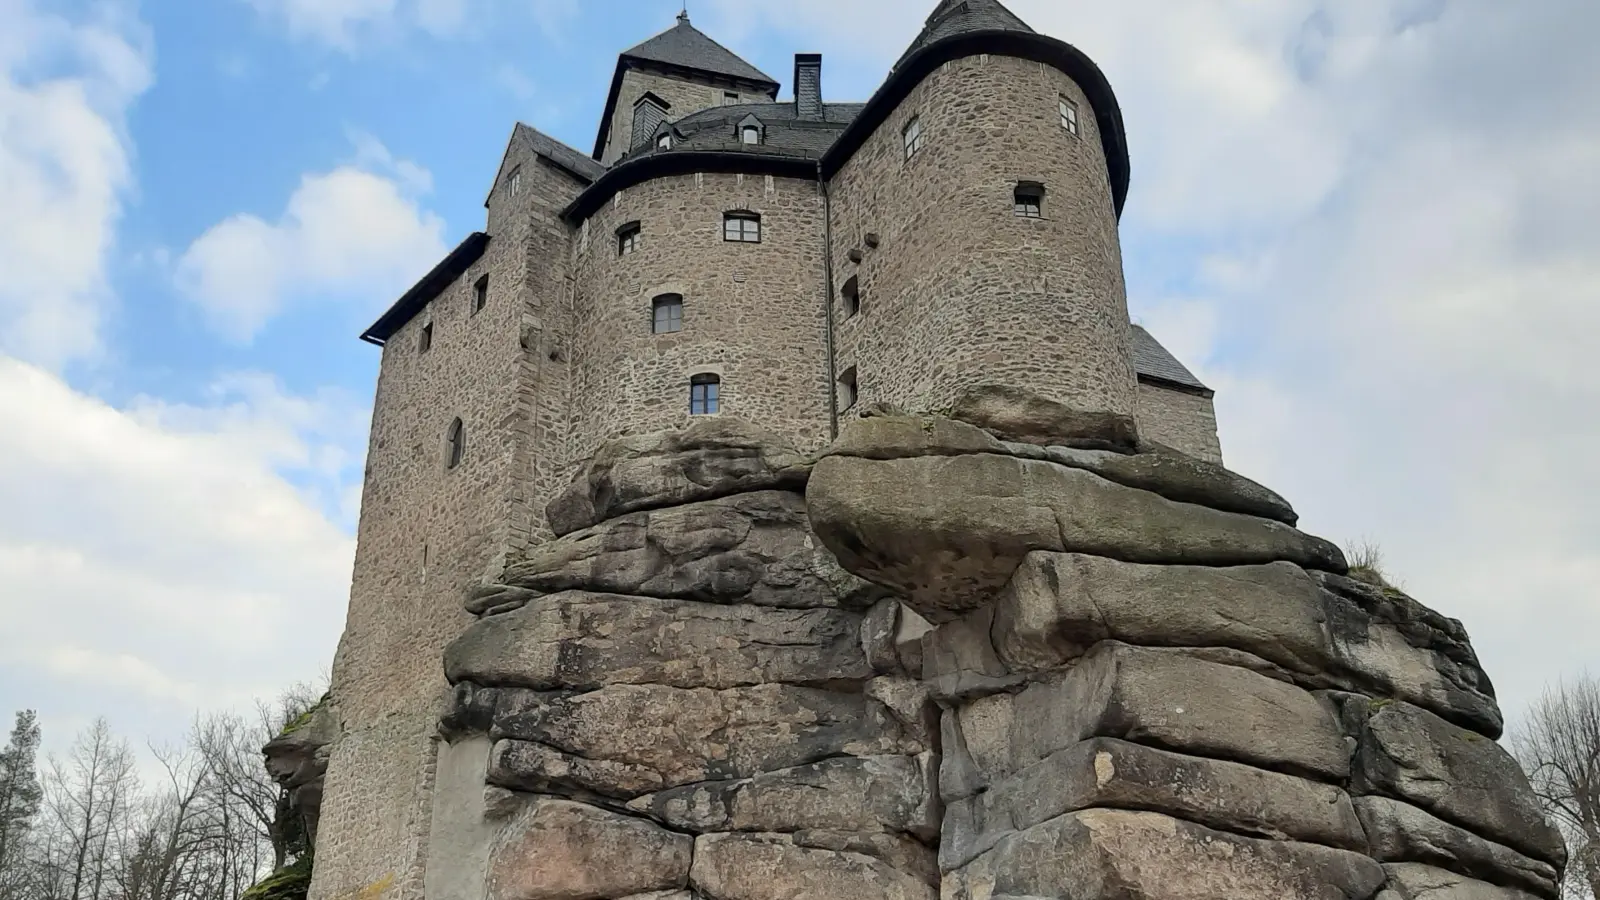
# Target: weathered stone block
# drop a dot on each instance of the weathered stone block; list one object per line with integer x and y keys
{"x": 1413, "y": 881}
{"x": 860, "y": 795}
{"x": 1118, "y": 855}
{"x": 1015, "y": 414}
{"x": 1119, "y": 775}
{"x": 558, "y": 850}
{"x": 709, "y": 458}
{"x": 748, "y": 548}
{"x": 774, "y": 867}
{"x": 1058, "y": 605}
{"x": 949, "y": 531}
{"x": 635, "y": 739}
{"x": 1455, "y": 774}
{"x": 1400, "y": 833}
{"x": 580, "y": 640}
{"x": 1165, "y": 700}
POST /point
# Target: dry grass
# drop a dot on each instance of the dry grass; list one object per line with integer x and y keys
{"x": 1366, "y": 564}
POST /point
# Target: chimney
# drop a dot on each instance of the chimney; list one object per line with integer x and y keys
{"x": 648, "y": 114}
{"x": 808, "y": 86}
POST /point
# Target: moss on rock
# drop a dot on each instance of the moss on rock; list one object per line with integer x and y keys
{"x": 288, "y": 883}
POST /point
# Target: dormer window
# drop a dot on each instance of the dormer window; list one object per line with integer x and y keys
{"x": 627, "y": 238}
{"x": 912, "y": 136}
{"x": 1069, "y": 115}
{"x": 742, "y": 227}
{"x": 750, "y": 134}
{"x": 664, "y": 142}
{"x": 1028, "y": 200}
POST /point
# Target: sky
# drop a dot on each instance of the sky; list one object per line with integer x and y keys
{"x": 1370, "y": 225}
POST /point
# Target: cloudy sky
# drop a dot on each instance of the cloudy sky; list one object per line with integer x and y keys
{"x": 1372, "y": 225}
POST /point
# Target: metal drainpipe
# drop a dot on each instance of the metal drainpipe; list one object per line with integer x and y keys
{"x": 827, "y": 304}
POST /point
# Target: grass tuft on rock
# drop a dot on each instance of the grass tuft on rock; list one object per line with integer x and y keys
{"x": 1366, "y": 565}
{"x": 288, "y": 883}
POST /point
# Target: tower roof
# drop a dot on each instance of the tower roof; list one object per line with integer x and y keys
{"x": 688, "y": 47}
{"x": 953, "y": 17}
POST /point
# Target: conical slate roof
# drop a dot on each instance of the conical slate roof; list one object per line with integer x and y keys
{"x": 952, "y": 17}
{"x": 687, "y": 46}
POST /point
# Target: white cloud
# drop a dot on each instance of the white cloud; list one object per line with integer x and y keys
{"x": 1373, "y": 228}
{"x": 355, "y": 234}
{"x": 161, "y": 558}
{"x": 65, "y": 88}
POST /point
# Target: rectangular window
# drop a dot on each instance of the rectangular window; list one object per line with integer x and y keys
{"x": 425, "y": 341}
{"x": 666, "y": 314}
{"x": 627, "y": 239}
{"x": 1069, "y": 116}
{"x": 480, "y": 294}
{"x": 729, "y": 98}
{"x": 912, "y": 136}
{"x": 705, "y": 395}
{"x": 1028, "y": 200}
{"x": 514, "y": 183}
{"x": 742, "y": 227}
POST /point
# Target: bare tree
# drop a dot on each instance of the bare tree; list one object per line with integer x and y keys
{"x": 1559, "y": 745}
{"x": 87, "y": 805}
{"x": 20, "y": 796}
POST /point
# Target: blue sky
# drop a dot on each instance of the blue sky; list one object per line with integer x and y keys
{"x": 1370, "y": 226}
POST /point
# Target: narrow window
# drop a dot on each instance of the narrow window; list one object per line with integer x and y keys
{"x": 850, "y": 294}
{"x": 912, "y": 136}
{"x": 729, "y": 98}
{"x": 847, "y": 389}
{"x": 705, "y": 395}
{"x": 743, "y": 227}
{"x": 514, "y": 183}
{"x": 1028, "y": 200}
{"x": 1069, "y": 115}
{"x": 480, "y": 294}
{"x": 666, "y": 314}
{"x": 664, "y": 142}
{"x": 627, "y": 238}
{"x": 750, "y": 134}
{"x": 425, "y": 341}
{"x": 455, "y": 444}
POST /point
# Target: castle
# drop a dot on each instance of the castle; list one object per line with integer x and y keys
{"x": 721, "y": 253}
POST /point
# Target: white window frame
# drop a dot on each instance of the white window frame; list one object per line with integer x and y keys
{"x": 666, "y": 303}
{"x": 741, "y": 227}
{"x": 514, "y": 182}
{"x": 664, "y": 142}
{"x": 1069, "y": 116}
{"x": 750, "y": 134}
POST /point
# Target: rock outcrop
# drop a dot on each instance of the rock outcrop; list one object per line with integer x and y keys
{"x": 1015, "y": 652}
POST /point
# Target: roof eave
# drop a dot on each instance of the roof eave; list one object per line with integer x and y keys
{"x": 1199, "y": 390}
{"x": 427, "y": 288}
{"x": 999, "y": 42}
{"x": 684, "y": 162}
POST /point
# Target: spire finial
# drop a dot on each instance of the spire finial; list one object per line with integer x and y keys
{"x": 683, "y": 17}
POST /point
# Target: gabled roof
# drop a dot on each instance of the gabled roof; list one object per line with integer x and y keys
{"x": 953, "y": 17}
{"x": 550, "y": 150}
{"x": 425, "y": 290}
{"x": 688, "y": 47}
{"x": 1152, "y": 361}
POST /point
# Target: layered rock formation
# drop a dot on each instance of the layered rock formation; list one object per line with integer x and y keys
{"x": 1034, "y": 659}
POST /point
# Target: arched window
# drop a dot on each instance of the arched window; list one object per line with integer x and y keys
{"x": 455, "y": 439}
{"x": 705, "y": 395}
{"x": 1028, "y": 199}
{"x": 850, "y": 296}
{"x": 666, "y": 314}
{"x": 741, "y": 226}
{"x": 847, "y": 389}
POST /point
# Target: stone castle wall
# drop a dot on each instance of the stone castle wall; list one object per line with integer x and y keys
{"x": 427, "y": 532}
{"x": 686, "y": 96}
{"x": 752, "y": 312}
{"x": 1180, "y": 419}
{"x": 962, "y": 291}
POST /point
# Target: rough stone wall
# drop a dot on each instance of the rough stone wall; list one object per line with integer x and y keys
{"x": 752, "y": 312}
{"x": 686, "y": 96}
{"x": 1180, "y": 419}
{"x": 962, "y": 291}
{"x": 427, "y": 532}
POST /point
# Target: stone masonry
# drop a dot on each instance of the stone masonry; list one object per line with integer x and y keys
{"x": 536, "y": 335}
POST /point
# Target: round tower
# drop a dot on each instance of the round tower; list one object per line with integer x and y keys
{"x": 975, "y": 203}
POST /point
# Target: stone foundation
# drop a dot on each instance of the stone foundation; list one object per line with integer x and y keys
{"x": 947, "y": 662}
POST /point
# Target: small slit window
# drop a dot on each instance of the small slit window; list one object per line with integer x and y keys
{"x": 627, "y": 238}
{"x": 912, "y": 136}
{"x": 480, "y": 294}
{"x": 455, "y": 439}
{"x": 750, "y": 134}
{"x": 514, "y": 182}
{"x": 1028, "y": 200}
{"x": 847, "y": 389}
{"x": 425, "y": 339}
{"x": 850, "y": 296}
{"x": 1069, "y": 115}
{"x": 666, "y": 314}
{"x": 705, "y": 395}
{"x": 741, "y": 227}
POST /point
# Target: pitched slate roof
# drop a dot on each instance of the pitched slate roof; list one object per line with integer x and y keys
{"x": 784, "y": 131}
{"x": 952, "y": 17}
{"x": 1151, "y": 360}
{"x": 575, "y": 161}
{"x": 687, "y": 46}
